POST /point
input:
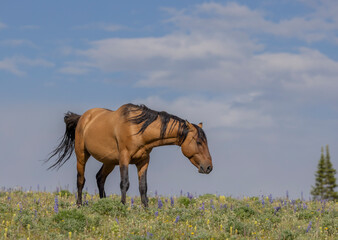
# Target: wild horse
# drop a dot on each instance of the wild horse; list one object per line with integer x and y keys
{"x": 127, "y": 136}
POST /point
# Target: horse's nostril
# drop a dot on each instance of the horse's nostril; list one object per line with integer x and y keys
{"x": 209, "y": 169}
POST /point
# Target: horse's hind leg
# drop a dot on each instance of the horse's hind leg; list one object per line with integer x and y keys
{"x": 82, "y": 158}
{"x": 101, "y": 177}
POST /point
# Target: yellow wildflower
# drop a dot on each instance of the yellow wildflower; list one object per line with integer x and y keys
{"x": 192, "y": 233}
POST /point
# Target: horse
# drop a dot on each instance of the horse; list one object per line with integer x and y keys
{"x": 127, "y": 136}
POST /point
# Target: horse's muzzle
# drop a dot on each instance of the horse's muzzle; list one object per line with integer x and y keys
{"x": 205, "y": 170}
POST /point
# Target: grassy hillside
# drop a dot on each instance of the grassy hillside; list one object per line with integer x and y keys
{"x": 43, "y": 215}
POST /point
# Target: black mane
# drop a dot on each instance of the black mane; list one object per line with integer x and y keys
{"x": 148, "y": 116}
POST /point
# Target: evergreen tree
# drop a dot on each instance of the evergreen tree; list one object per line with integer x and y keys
{"x": 318, "y": 191}
{"x": 330, "y": 180}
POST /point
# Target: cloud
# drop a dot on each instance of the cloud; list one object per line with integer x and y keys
{"x": 215, "y": 47}
{"x": 13, "y": 64}
{"x": 17, "y": 42}
{"x": 235, "y": 113}
{"x": 30, "y": 27}
{"x": 102, "y": 26}
{"x": 2, "y": 25}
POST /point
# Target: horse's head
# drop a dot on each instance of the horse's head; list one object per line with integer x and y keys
{"x": 195, "y": 148}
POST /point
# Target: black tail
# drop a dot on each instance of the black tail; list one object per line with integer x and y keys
{"x": 66, "y": 147}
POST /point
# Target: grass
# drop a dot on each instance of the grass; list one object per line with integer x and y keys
{"x": 43, "y": 215}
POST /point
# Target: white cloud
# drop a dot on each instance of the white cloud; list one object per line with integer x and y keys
{"x": 216, "y": 113}
{"x": 30, "y": 27}
{"x": 2, "y": 25}
{"x": 13, "y": 64}
{"x": 17, "y": 42}
{"x": 214, "y": 48}
{"x": 74, "y": 70}
{"x": 102, "y": 26}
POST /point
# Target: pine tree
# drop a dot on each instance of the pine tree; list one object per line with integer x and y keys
{"x": 330, "y": 180}
{"x": 318, "y": 191}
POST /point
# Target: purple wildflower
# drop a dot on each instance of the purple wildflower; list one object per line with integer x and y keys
{"x": 287, "y": 194}
{"x": 190, "y": 196}
{"x": 172, "y": 203}
{"x": 181, "y": 193}
{"x": 277, "y": 209}
{"x": 149, "y": 234}
{"x": 132, "y": 202}
{"x": 203, "y": 206}
{"x": 156, "y": 213}
{"x": 177, "y": 218}
{"x": 155, "y": 193}
{"x": 304, "y": 206}
{"x": 159, "y": 203}
{"x": 117, "y": 221}
{"x": 270, "y": 198}
{"x": 309, "y": 227}
{"x": 56, "y": 204}
{"x": 263, "y": 202}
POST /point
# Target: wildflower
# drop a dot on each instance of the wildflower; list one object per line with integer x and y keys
{"x": 155, "y": 193}
{"x": 221, "y": 227}
{"x": 231, "y": 230}
{"x": 132, "y": 202}
{"x": 263, "y": 202}
{"x": 172, "y": 201}
{"x": 192, "y": 233}
{"x": 149, "y": 234}
{"x": 222, "y": 199}
{"x": 270, "y": 198}
{"x": 56, "y": 204}
{"x": 117, "y": 221}
{"x": 277, "y": 209}
{"x": 309, "y": 227}
{"x": 156, "y": 213}
{"x": 70, "y": 235}
{"x": 159, "y": 203}
{"x": 208, "y": 222}
{"x": 287, "y": 194}
{"x": 177, "y": 218}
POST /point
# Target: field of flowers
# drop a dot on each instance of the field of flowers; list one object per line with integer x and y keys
{"x": 44, "y": 215}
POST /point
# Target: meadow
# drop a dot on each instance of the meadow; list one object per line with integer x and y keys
{"x": 45, "y": 215}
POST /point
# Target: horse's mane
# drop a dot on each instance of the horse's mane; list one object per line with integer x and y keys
{"x": 148, "y": 116}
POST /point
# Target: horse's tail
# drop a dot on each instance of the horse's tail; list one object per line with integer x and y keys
{"x": 66, "y": 147}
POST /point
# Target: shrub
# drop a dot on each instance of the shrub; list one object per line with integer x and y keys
{"x": 244, "y": 212}
{"x": 70, "y": 220}
{"x": 185, "y": 201}
{"x": 112, "y": 207}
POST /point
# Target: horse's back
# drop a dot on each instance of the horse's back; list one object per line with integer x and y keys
{"x": 97, "y": 133}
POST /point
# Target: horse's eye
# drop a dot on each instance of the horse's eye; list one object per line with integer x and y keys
{"x": 199, "y": 142}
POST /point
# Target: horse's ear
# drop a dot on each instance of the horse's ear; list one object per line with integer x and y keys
{"x": 200, "y": 125}
{"x": 188, "y": 123}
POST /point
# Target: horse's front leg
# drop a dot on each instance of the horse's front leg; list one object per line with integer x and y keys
{"x": 124, "y": 185}
{"x": 142, "y": 178}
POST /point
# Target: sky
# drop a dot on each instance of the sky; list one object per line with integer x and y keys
{"x": 261, "y": 75}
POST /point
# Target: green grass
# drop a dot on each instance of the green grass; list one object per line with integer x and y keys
{"x": 32, "y": 215}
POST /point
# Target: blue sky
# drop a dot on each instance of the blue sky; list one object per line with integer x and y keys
{"x": 261, "y": 75}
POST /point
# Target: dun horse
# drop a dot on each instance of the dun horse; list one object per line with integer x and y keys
{"x": 127, "y": 136}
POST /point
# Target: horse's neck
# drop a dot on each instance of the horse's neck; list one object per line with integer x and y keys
{"x": 154, "y": 136}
